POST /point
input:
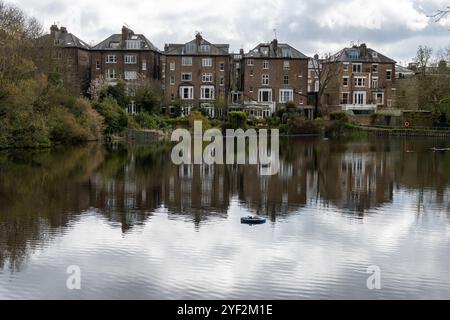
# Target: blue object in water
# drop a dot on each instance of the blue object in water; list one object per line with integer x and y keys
{"x": 253, "y": 220}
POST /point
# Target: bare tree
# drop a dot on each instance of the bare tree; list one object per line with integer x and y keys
{"x": 440, "y": 14}
{"x": 325, "y": 70}
{"x": 423, "y": 59}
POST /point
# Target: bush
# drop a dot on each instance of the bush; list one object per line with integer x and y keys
{"x": 148, "y": 121}
{"x": 339, "y": 116}
{"x": 237, "y": 120}
{"x": 298, "y": 125}
{"x": 116, "y": 119}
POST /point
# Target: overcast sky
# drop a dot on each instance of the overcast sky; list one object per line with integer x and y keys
{"x": 393, "y": 27}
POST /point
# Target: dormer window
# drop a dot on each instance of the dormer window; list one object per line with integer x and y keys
{"x": 205, "y": 48}
{"x": 189, "y": 48}
{"x": 374, "y": 55}
{"x": 353, "y": 54}
{"x": 286, "y": 52}
{"x": 114, "y": 45}
{"x": 265, "y": 51}
{"x": 133, "y": 44}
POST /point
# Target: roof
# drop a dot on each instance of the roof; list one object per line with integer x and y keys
{"x": 194, "y": 48}
{"x": 361, "y": 54}
{"x": 117, "y": 39}
{"x": 401, "y": 69}
{"x": 67, "y": 40}
{"x": 275, "y": 50}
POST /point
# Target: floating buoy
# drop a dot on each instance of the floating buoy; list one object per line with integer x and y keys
{"x": 253, "y": 220}
{"x": 407, "y": 124}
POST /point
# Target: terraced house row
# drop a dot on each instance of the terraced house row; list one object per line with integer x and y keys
{"x": 206, "y": 75}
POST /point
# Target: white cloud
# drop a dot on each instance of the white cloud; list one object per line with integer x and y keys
{"x": 309, "y": 25}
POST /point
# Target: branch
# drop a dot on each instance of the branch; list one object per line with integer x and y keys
{"x": 440, "y": 14}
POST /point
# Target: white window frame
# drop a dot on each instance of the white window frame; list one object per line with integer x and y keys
{"x": 186, "y": 61}
{"x": 284, "y": 80}
{"x": 286, "y": 95}
{"x": 375, "y": 98}
{"x": 251, "y": 62}
{"x": 389, "y": 71}
{"x": 343, "y": 81}
{"x": 130, "y": 59}
{"x": 172, "y": 66}
{"x": 130, "y": 75}
{"x": 286, "y": 65}
{"x": 222, "y": 66}
{"x": 262, "y": 91}
{"x": 356, "y": 66}
{"x": 133, "y": 44}
{"x": 360, "y": 82}
{"x": 266, "y": 65}
{"x": 189, "y": 91}
{"x": 97, "y": 65}
{"x": 357, "y": 95}
{"x": 207, "y": 62}
{"x": 111, "y": 74}
{"x": 375, "y": 66}
{"x": 205, "y": 48}
{"x": 207, "y": 77}
{"x": 375, "y": 82}
{"x": 207, "y": 92}
{"x": 265, "y": 80}
{"x": 111, "y": 58}
{"x": 144, "y": 65}
{"x": 172, "y": 80}
{"x": 222, "y": 81}
{"x": 186, "y": 76}
{"x": 346, "y": 66}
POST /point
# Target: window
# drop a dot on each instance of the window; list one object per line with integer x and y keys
{"x": 207, "y": 92}
{"x": 190, "y": 48}
{"x": 129, "y": 59}
{"x": 172, "y": 66}
{"x": 133, "y": 44}
{"x": 359, "y": 98}
{"x": 204, "y": 48}
{"x": 265, "y": 64}
{"x": 389, "y": 75}
{"x": 111, "y": 58}
{"x": 346, "y": 64}
{"x": 286, "y": 80}
{"x": 286, "y": 65}
{"x": 379, "y": 98}
{"x": 375, "y": 68}
{"x": 345, "y": 97}
{"x": 286, "y": 52}
{"x": 207, "y": 62}
{"x": 144, "y": 65}
{"x": 252, "y": 73}
{"x": 345, "y": 81}
{"x": 186, "y": 61}
{"x": 375, "y": 82}
{"x": 302, "y": 101}
{"x": 97, "y": 65}
{"x": 353, "y": 53}
{"x": 265, "y": 95}
{"x": 187, "y": 93}
{"x": 187, "y": 76}
{"x": 130, "y": 75}
{"x": 222, "y": 66}
{"x": 222, "y": 81}
{"x": 172, "y": 80}
{"x": 357, "y": 67}
{"x": 360, "y": 82}
{"x": 250, "y": 62}
{"x": 286, "y": 95}
{"x": 265, "y": 79}
{"x": 111, "y": 74}
{"x": 374, "y": 55}
{"x": 207, "y": 77}
{"x": 264, "y": 51}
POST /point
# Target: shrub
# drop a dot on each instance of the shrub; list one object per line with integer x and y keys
{"x": 339, "y": 116}
{"x": 237, "y": 120}
{"x": 116, "y": 119}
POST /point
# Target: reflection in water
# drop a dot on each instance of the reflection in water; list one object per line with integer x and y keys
{"x": 83, "y": 194}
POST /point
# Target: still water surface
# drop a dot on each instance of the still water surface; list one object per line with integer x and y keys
{"x": 140, "y": 227}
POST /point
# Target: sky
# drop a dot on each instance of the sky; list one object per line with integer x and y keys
{"x": 393, "y": 27}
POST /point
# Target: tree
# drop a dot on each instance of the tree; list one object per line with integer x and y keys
{"x": 325, "y": 70}
{"x": 423, "y": 59}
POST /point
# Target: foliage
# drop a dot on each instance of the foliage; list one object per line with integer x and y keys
{"x": 237, "y": 120}
{"x": 339, "y": 116}
{"x": 116, "y": 119}
{"x": 148, "y": 121}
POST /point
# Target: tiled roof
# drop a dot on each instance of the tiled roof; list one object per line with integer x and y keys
{"x": 68, "y": 40}
{"x": 191, "y": 47}
{"x": 117, "y": 39}
{"x": 361, "y": 54}
{"x": 283, "y": 51}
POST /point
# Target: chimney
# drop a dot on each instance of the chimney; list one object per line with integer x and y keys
{"x": 241, "y": 52}
{"x": 198, "y": 38}
{"x": 54, "y": 29}
{"x": 275, "y": 46}
{"x": 63, "y": 30}
{"x": 363, "y": 49}
{"x": 316, "y": 57}
{"x": 126, "y": 34}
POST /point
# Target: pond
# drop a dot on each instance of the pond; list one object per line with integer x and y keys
{"x": 139, "y": 227}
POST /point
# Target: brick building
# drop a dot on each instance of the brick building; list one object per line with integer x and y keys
{"x": 363, "y": 81}
{"x": 274, "y": 74}
{"x": 196, "y": 74}
{"x": 126, "y": 56}
{"x": 66, "y": 58}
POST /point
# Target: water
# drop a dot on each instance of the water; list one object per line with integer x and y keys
{"x": 142, "y": 228}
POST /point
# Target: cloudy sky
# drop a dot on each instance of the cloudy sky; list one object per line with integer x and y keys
{"x": 393, "y": 27}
